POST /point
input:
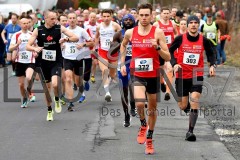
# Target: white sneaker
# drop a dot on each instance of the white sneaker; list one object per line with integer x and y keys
{"x": 108, "y": 97}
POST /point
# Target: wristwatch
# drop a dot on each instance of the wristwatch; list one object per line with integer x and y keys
{"x": 158, "y": 48}
{"x": 85, "y": 45}
{"x": 67, "y": 39}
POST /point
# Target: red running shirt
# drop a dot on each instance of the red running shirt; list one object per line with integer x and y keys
{"x": 145, "y": 58}
{"x": 190, "y": 57}
{"x": 168, "y": 31}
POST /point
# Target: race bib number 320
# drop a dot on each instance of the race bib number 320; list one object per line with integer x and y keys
{"x": 191, "y": 58}
{"x": 143, "y": 64}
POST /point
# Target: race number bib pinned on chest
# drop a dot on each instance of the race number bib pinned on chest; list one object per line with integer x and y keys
{"x": 24, "y": 57}
{"x": 191, "y": 58}
{"x": 129, "y": 50}
{"x": 49, "y": 55}
{"x": 168, "y": 39}
{"x": 105, "y": 43}
{"x": 211, "y": 35}
{"x": 71, "y": 49}
{"x": 143, "y": 64}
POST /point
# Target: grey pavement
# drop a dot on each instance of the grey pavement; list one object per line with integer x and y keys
{"x": 95, "y": 131}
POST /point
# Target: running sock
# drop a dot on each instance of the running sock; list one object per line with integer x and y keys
{"x": 83, "y": 94}
{"x": 143, "y": 122}
{"x": 150, "y": 133}
{"x": 49, "y": 108}
{"x": 25, "y": 100}
{"x": 193, "y": 115}
{"x": 106, "y": 88}
{"x": 56, "y": 98}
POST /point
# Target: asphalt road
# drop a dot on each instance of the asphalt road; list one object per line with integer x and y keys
{"x": 95, "y": 131}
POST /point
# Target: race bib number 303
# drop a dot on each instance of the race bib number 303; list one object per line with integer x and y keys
{"x": 143, "y": 64}
{"x": 49, "y": 55}
{"x": 191, "y": 58}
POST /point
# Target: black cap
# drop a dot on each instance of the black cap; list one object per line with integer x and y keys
{"x": 191, "y": 18}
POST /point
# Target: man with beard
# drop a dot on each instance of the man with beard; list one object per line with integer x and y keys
{"x": 128, "y": 22}
{"x": 189, "y": 58}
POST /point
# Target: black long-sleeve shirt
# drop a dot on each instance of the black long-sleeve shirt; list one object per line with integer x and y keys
{"x": 210, "y": 51}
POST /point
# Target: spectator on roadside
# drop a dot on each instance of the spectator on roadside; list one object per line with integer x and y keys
{"x": 223, "y": 27}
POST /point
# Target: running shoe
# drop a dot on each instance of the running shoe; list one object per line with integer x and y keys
{"x": 86, "y": 86}
{"x": 24, "y": 104}
{"x": 108, "y": 97}
{"x": 50, "y": 115}
{"x": 92, "y": 79}
{"x": 58, "y": 107}
{"x": 62, "y": 101}
{"x": 70, "y": 107}
{"x": 167, "y": 97}
{"x": 141, "y": 138}
{"x": 81, "y": 99}
{"x": 149, "y": 147}
{"x": 32, "y": 97}
{"x": 127, "y": 120}
{"x": 190, "y": 137}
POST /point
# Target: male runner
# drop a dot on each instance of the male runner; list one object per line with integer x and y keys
{"x": 24, "y": 59}
{"x": 49, "y": 58}
{"x": 169, "y": 30}
{"x": 7, "y": 34}
{"x": 190, "y": 56}
{"x": 104, "y": 36}
{"x": 148, "y": 42}
{"x": 128, "y": 22}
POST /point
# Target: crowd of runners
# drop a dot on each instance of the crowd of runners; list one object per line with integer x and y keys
{"x": 135, "y": 47}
